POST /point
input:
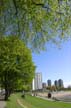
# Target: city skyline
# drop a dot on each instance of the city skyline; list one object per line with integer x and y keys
{"x": 55, "y": 63}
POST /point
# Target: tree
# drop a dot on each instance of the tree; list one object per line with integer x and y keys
{"x": 36, "y": 21}
{"x": 16, "y": 65}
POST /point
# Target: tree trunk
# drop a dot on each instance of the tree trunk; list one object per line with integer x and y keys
{"x": 6, "y": 86}
{"x": 6, "y": 94}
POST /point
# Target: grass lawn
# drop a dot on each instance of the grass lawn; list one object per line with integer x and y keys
{"x": 12, "y": 102}
{"x": 34, "y": 102}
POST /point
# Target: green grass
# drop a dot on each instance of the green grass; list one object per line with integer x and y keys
{"x": 34, "y": 102}
{"x": 12, "y": 102}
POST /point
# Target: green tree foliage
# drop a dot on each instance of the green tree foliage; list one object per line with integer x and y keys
{"x": 16, "y": 66}
{"x": 36, "y": 21}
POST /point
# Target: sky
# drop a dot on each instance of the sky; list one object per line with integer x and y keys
{"x": 55, "y": 63}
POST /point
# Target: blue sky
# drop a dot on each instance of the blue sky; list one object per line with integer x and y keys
{"x": 55, "y": 63}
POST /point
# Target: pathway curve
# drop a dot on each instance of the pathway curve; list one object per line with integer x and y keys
{"x": 20, "y": 103}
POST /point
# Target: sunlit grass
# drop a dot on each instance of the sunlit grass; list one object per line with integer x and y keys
{"x": 34, "y": 102}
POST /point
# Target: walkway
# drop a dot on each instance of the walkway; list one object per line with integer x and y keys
{"x": 2, "y": 104}
{"x": 49, "y": 99}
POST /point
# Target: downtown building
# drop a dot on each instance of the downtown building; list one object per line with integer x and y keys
{"x": 56, "y": 83}
{"x": 60, "y": 83}
{"x": 44, "y": 85}
{"x": 49, "y": 83}
{"x": 37, "y": 81}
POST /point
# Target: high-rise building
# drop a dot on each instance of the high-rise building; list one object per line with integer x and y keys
{"x": 43, "y": 85}
{"x": 56, "y": 83}
{"x": 49, "y": 83}
{"x": 33, "y": 85}
{"x": 37, "y": 81}
{"x": 60, "y": 83}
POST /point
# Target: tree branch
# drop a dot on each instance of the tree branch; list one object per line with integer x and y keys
{"x": 38, "y": 4}
{"x": 1, "y": 3}
{"x": 15, "y": 7}
{"x": 16, "y": 13}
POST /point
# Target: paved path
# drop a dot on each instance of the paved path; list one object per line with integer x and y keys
{"x": 2, "y": 104}
{"x": 50, "y": 99}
